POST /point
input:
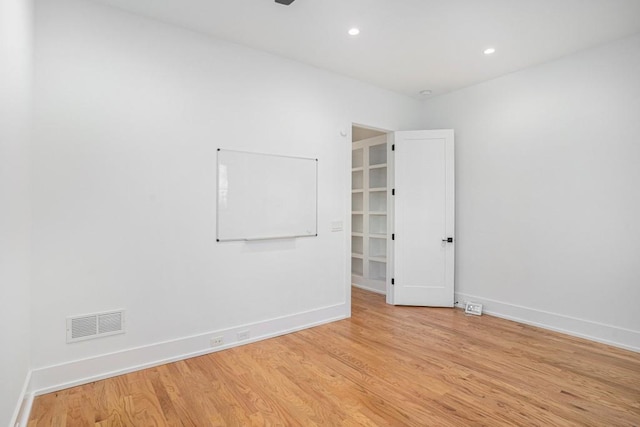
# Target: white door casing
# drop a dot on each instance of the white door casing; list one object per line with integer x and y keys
{"x": 423, "y": 266}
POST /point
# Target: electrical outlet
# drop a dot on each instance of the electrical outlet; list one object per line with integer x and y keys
{"x": 473, "y": 308}
{"x": 217, "y": 341}
{"x": 243, "y": 335}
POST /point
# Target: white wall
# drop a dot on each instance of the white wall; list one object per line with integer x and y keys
{"x": 548, "y": 192}
{"x": 129, "y": 115}
{"x": 15, "y": 94}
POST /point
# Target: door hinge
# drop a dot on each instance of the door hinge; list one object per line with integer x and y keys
{"x": 393, "y": 281}
{"x": 393, "y": 191}
{"x": 393, "y": 236}
{"x": 393, "y": 147}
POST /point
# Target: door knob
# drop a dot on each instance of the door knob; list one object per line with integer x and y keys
{"x": 448, "y": 240}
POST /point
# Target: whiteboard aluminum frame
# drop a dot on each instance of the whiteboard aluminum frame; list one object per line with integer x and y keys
{"x": 255, "y": 239}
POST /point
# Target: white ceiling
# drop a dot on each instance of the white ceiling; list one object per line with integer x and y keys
{"x": 407, "y": 45}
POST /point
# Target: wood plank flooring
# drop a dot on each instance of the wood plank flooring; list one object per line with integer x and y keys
{"x": 386, "y": 366}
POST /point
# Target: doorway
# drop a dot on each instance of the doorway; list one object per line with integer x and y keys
{"x": 402, "y": 239}
{"x": 370, "y": 208}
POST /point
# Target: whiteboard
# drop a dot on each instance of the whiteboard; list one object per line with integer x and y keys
{"x": 265, "y": 196}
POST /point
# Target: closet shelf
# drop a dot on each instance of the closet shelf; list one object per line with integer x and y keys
{"x": 378, "y": 166}
{"x": 369, "y": 204}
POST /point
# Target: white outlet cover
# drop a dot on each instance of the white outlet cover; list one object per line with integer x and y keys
{"x": 473, "y": 308}
{"x": 217, "y": 341}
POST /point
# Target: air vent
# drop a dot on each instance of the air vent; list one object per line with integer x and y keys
{"x": 89, "y": 326}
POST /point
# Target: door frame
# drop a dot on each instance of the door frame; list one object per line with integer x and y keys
{"x": 390, "y": 210}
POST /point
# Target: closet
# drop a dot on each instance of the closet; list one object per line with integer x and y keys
{"x": 369, "y": 213}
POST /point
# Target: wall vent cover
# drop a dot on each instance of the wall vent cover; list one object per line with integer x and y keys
{"x": 96, "y": 325}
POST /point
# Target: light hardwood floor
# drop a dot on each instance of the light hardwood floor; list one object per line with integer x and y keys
{"x": 385, "y": 366}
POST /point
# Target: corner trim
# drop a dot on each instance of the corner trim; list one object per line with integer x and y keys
{"x": 70, "y": 374}
{"x": 23, "y": 407}
{"x": 595, "y": 331}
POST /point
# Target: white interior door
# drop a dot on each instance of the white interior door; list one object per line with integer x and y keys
{"x": 424, "y": 218}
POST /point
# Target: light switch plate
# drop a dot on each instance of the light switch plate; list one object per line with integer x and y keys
{"x": 336, "y": 226}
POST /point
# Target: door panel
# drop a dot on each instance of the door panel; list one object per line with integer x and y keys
{"x": 424, "y": 216}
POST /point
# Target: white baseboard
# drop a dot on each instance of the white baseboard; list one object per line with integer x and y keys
{"x": 594, "y": 331}
{"x": 367, "y": 288}
{"x": 23, "y": 408}
{"x": 57, "y": 377}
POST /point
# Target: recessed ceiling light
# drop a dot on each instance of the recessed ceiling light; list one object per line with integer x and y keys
{"x": 489, "y": 50}
{"x": 425, "y": 92}
{"x": 354, "y": 32}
